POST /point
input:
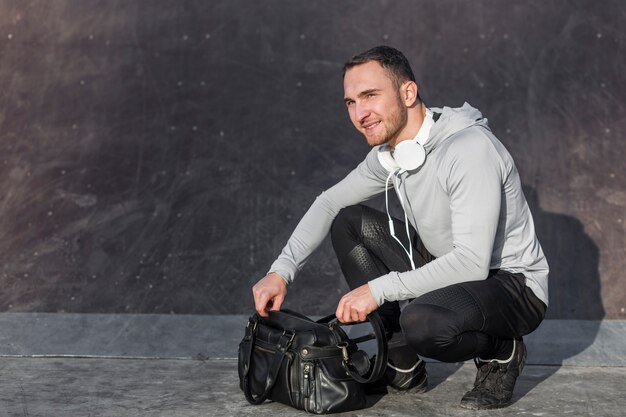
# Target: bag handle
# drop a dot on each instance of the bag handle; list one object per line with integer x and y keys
{"x": 374, "y": 372}
{"x": 283, "y": 344}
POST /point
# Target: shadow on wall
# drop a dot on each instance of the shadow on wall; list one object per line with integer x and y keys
{"x": 574, "y": 286}
{"x": 575, "y": 292}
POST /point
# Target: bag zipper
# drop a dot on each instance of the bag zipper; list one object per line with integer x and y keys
{"x": 308, "y": 377}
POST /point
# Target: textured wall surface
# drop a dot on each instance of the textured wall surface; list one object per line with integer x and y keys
{"x": 155, "y": 156}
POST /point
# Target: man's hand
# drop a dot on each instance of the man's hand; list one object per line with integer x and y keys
{"x": 269, "y": 293}
{"x": 356, "y": 305}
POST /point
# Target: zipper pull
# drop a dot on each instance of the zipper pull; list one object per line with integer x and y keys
{"x": 307, "y": 370}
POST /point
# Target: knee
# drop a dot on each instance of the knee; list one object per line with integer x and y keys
{"x": 348, "y": 220}
{"x": 428, "y": 329}
{"x": 418, "y": 331}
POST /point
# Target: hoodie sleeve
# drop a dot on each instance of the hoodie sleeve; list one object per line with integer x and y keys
{"x": 472, "y": 175}
{"x": 363, "y": 183}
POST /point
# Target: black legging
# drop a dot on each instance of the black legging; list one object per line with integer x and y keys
{"x": 451, "y": 324}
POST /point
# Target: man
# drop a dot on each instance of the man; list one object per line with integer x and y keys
{"x": 463, "y": 277}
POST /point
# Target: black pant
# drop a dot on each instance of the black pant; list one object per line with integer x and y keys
{"x": 451, "y": 324}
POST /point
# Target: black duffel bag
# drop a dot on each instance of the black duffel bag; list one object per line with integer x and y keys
{"x": 309, "y": 365}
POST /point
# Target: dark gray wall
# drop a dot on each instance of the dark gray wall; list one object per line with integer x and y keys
{"x": 156, "y": 155}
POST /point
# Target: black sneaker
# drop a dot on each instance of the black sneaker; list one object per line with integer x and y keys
{"x": 413, "y": 380}
{"x": 495, "y": 380}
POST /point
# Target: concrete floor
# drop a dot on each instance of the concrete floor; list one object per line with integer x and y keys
{"x": 87, "y": 365}
{"x": 73, "y": 387}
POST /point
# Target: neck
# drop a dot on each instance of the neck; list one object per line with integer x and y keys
{"x": 415, "y": 119}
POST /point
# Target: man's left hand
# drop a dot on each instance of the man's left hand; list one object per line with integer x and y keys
{"x": 356, "y": 305}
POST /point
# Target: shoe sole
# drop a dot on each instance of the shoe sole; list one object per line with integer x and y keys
{"x": 472, "y": 406}
{"x": 421, "y": 387}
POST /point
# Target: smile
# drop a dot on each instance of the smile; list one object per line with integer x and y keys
{"x": 370, "y": 126}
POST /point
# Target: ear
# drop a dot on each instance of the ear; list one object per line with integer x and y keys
{"x": 409, "y": 93}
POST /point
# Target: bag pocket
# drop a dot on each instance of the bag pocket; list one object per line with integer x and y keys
{"x": 335, "y": 390}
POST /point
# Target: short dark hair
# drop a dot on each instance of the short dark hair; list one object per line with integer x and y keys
{"x": 389, "y": 58}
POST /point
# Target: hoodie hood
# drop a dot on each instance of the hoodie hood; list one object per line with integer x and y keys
{"x": 451, "y": 121}
{"x": 448, "y": 121}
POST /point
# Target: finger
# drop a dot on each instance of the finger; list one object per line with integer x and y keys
{"x": 277, "y": 302}
{"x": 348, "y": 312}
{"x": 362, "y": 316}
{"x": 354, "y": 315}
{"x": 261, "y": 302}
{"x": 344, "y": 314}
{"x": 345, "y": 317}
{"x": 339, "y": 311}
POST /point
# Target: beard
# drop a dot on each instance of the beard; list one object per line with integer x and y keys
{"x": 393, "y": 125}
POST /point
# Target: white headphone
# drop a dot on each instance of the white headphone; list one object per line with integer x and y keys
{"x": 408, "y": 155}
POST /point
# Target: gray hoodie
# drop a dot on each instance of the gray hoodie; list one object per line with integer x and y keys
{"x": 465, "y": 202}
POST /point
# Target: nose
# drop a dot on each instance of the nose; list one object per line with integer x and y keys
{"x": 361, "y": 111}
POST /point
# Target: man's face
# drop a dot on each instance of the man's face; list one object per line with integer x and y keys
{"x": 374, "y": 103}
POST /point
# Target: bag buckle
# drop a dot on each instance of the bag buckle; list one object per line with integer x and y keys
{"x": 344, "y": 351}
{"x": 292, "y": 335}
{"x": 252, "y": 323}
{"x": 283, "y": 346}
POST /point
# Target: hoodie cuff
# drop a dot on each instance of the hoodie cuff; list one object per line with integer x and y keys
{"x": 381, "y": 288}
{"x": 285, "y": 269}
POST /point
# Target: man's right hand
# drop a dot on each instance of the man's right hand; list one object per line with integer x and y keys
{"x": 269, "y": 293}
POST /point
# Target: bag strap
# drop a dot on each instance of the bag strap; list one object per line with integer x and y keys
{"x": 283, "y": 344}
{"x": 372, "y": 373}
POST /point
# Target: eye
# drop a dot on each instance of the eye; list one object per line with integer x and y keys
{"x": 349, "y": 103}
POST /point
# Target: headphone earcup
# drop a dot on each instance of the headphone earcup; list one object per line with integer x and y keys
{"x": 387, "y": 161}
{"x": 409, "y": 155}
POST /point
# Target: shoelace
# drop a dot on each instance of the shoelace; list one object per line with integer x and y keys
{"x": 483, "y": 380}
